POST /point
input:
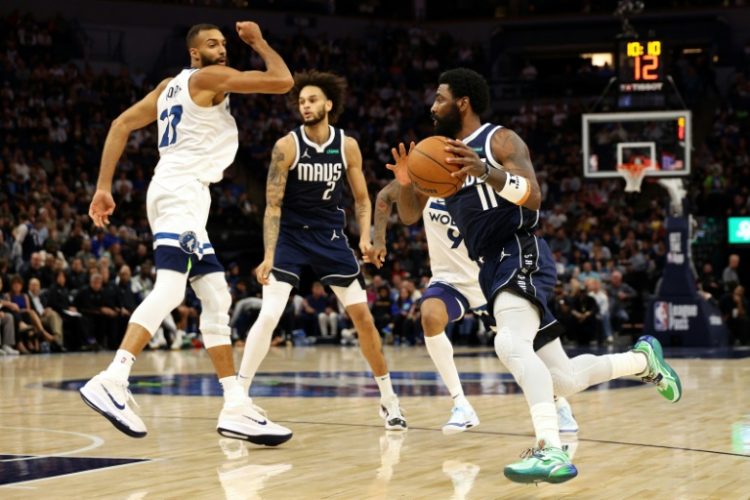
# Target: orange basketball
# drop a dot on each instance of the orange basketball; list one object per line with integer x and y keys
{"x": 429, "y": 173}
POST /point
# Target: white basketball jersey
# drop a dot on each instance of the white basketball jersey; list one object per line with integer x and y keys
{"x": 195, "y": 142}
{"x": 449, "y": 259}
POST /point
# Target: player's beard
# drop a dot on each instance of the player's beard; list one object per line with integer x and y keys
{"x": 450, "y": 124}
{"x": 311, "y": 122}
{"x": 208, "y": 61}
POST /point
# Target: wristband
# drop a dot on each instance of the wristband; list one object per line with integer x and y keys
{"x": 516, "y": 190}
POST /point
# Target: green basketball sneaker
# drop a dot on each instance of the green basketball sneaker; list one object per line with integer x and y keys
{"x": 543, "y": 464}
{"x": 658, "y": 372}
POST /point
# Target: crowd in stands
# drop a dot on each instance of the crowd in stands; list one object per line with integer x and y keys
{"x": 66, "y": 285}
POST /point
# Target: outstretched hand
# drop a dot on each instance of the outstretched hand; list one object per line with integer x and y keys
{"x": 466, "y": 158}
{"x": 101, "y": 207}
{"x": 400, "y": 168}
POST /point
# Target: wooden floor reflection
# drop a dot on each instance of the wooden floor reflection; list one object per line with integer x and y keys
{"x": 632, "y": 443}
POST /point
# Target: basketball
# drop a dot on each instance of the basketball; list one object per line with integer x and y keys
{"x": 429, "y": 172}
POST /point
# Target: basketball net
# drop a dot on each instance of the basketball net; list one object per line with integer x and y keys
{"x": 633, "y": 173}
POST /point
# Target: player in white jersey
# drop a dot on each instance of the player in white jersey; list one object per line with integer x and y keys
{"x": 453, "y": 290}
{"x": 197, "y": 141}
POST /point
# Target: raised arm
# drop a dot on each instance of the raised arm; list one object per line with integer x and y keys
{"x": 358, "y": 185}
{"x": 281, "y": 159}
{"x": 276, "y": 79}
{"x": 410, "y": 203}
{"x": 136, "y": 116}
{"x": 516, "y": 181}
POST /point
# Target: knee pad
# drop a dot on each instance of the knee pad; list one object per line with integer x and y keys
{"x": 213, "y": 292}
{"x": 506, "y": 350}
{"x": 350, "y": 295}
{"x": 168, "y": 294}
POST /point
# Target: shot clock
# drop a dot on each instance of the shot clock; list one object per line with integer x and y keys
{"x": 641, "y": 66}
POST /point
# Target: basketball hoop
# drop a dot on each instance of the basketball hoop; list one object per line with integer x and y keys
{"x": 634, "y": 174}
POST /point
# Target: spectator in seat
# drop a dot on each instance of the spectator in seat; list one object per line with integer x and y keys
{"x": 621, "y": 296}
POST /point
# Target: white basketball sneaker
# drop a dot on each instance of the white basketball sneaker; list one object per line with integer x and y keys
{"x": 463, "y": 417}
{"x": 250, "y": 423}
{"x": 565, "y": 419}
{"x": 391, "y": 412}
{"x": 112, "y": 399}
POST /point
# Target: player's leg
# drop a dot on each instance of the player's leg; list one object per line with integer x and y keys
{"x": 518, "y": 322}
{"x": 238, "y": 418}
{"x": 258, "y": 341}
{"x": 645, "y": 360}
{"x": 354, "y": 299}
{"x": 108, "y": 393}
{"x": 440, "y": 305}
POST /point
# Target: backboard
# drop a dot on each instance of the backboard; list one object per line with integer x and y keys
{"x": 658, "y": 140}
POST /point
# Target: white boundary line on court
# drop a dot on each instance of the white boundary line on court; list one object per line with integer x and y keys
{"x": 96, "y": 442}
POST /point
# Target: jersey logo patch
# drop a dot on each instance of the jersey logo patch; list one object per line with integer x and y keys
{"x": 335, "y": 236}
{"x": 306, "y": 154}
{"x": 188, "y": 242}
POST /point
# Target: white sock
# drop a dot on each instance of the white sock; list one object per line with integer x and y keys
{"x": 384, "y": 384}
{"x": 544, "y": 418}
{"x": 233, "y": 393}
{"x": 119, "y": 368}
{"x": 628, "y": 363}
{"x": 441, "y": 351}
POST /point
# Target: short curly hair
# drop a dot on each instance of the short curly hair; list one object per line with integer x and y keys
{"x": 333, "y": 87}
{"x": 465, "y": 82}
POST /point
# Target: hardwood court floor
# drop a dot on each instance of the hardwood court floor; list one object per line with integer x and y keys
{"x": 632, "y": 443}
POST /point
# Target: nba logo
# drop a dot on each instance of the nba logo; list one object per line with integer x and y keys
{"x": 661, "y": 316}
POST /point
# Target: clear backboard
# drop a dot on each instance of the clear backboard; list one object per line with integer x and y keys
{"x": 657, "y": 143}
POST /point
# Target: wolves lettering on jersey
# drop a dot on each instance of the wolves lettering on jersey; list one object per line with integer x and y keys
{"x": 195, "y": 142}
{"x": 486, "y": 220}
{"x": 449, "y": 260}
{"x": 315, "y": 183}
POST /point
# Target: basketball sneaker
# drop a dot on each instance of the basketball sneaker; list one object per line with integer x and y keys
{"x": 250, "y": 423}
{"x": 565, "y": 419}
{"x": 463, "y": 417}
{"x": 658, "y": 372}
{"x": 543, "y": 464}
{"x": 112, "y": 398}
{"x": 391, "y": 412}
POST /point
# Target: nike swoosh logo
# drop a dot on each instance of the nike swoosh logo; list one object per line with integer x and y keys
{"x": 119, "y": 406}
{"x": 264, "y": 422}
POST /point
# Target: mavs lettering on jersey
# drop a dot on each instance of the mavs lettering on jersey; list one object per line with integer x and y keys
{"x": 315, "y": 183}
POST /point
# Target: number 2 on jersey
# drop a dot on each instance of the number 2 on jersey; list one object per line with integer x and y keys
{"x": 173, "y": 117}
{"x": 327, "y": 192}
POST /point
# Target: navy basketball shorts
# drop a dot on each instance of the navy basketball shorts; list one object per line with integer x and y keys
{"x": 455, "y": 302}
{"x": 326, "y": 251}
{"x": 524, "y": 266}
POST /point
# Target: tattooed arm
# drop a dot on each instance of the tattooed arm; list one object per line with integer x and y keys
{"x": 511, "y": 152}
{"x": 383, "y": 209}
{"x": 281, "y": 159}
{"x": 362, "y": 203}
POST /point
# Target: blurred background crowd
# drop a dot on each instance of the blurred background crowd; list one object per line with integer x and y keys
{"x": 66, "y": 285}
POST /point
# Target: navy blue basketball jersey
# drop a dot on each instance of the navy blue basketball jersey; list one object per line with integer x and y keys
{"x": 315, "y": 183}
{"x": 485, "y": 219}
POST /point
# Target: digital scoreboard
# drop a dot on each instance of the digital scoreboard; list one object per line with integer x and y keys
{"x": 641, "y": 66}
